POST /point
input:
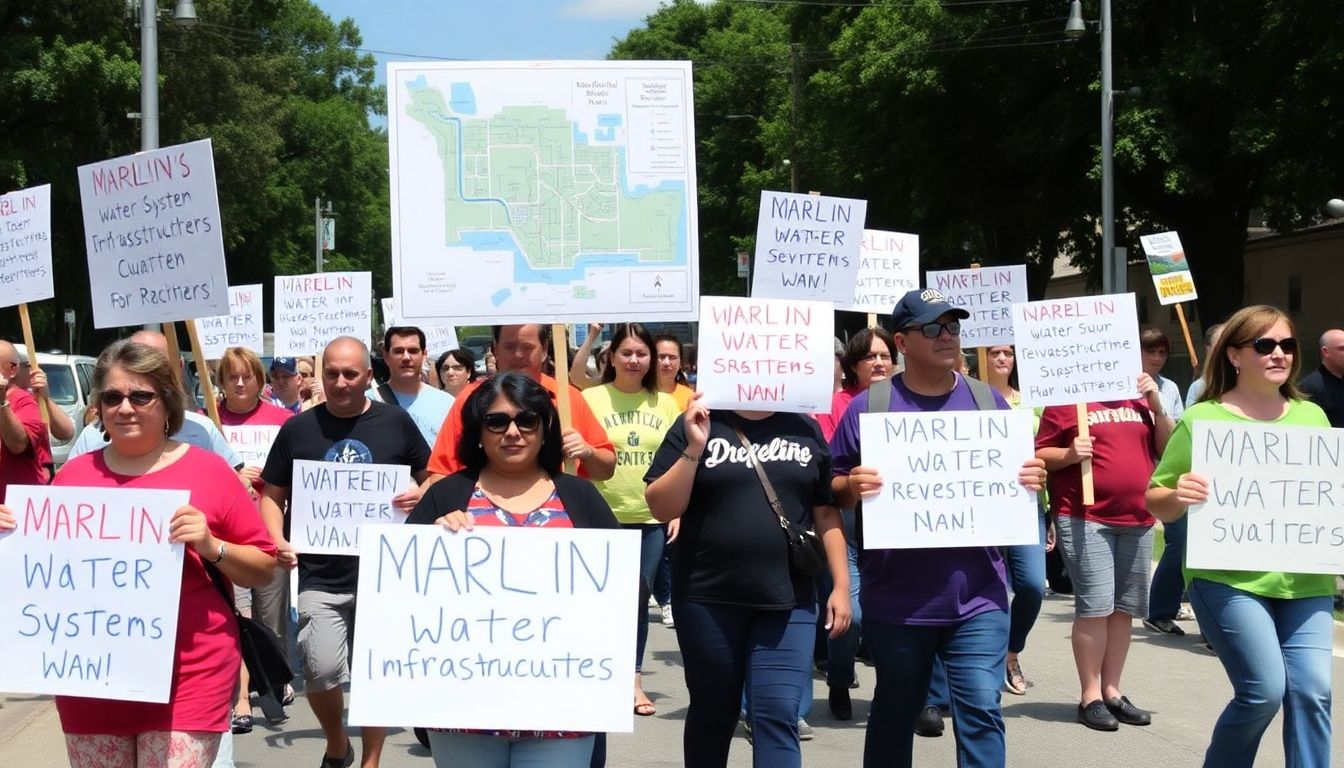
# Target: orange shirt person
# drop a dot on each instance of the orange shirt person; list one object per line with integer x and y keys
{"x": 522, "y": 348}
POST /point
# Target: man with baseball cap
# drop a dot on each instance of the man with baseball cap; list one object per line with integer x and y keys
{"x": 918, "y": 604}
{"x": 285, "y": 384}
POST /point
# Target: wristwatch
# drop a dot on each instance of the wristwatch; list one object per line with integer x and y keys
{"x": 223, "y": 550}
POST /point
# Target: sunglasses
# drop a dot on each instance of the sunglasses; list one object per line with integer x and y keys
{"x": 1265, "y": 345}
{"x": 139, "y": 398}
{"x": 526, "y": 421}
{"x": 932, "y": 330}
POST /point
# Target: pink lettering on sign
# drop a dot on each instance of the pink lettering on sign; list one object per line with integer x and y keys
{"x": 1064, "y": 310}
{"x": 138, "y": 172}
{"x": 90, "y": 521}
{"x": 768, "y": 314}
{"x": 12, "y": 205}
{"x": 318, "y": 283}
{"x": 884, "y": 243}
{"x": 952, "y": 282}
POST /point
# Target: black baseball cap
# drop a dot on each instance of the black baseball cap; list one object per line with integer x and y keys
{"x": 919, "y": 307}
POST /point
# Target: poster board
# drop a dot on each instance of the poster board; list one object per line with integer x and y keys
{"x": 329, "y": 500}
{"x": 438, "y": 338}
{"x": 766, "y": 354}
{"x": 311, "y": 310}
{"x": 1171, "y": 272}
{"x": 807, "y": 247}
{"x": 25, "y": 247}
{"x": 252, "y": 442}
{"x": 888, "y": 268}
{"x": 1077, "y": 350}
{"x": 988, "y": 294}
{"x": 241, "y": 327}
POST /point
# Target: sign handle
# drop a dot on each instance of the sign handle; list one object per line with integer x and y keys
{"x": 170, "y": 333}
{"x": 560, "y": 352}
{"x": 1089, "y": 494}
{"x": 203, "y": 373}
{"x": 872, "y": 319}
{"x": 27, "y": 324}
{"x": 982, "y": 363}
{"x": 1189, "y": 344}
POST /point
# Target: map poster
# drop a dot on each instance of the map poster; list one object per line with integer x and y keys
{"x": 543, "y": 191}
{"x": 1170, "y": 270}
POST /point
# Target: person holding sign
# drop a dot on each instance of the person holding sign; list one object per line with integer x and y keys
{"x": 922, "y": 605}
{"x": 1272, "y": 631}
{"x": 745, "y": 613}
{"x": 140, "y": 404}
{"x": 25, "y": 446}
{"x": 512, "y": 453}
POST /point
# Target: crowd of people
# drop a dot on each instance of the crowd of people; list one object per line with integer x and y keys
{"x": 727, "y": 503}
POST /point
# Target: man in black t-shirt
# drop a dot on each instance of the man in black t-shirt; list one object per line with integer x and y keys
{"x": 348, "y": 428}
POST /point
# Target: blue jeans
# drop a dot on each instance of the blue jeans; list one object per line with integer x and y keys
{"x": 1026, "y": 577}
{"x": 1164, "y": 596}
{"x": 973, "y": 654}
{"x": 725, "y": 647}
{"x": 840, "y": 651}
{"x": 1275, "y": 651}
{"x": 662, "y": 584}
{"x": 452, "y": 750}
{"x": 650, "y": 555}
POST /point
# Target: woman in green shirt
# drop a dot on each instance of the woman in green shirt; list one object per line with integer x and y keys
{"x": 1272, "y": 631}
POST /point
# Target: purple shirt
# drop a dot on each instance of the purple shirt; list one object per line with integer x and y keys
{"x": 921, "y": 587}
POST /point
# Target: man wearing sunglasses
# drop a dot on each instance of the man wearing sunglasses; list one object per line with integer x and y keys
{"x": 1325, "y": 385}
{"x": 25, "y": 446}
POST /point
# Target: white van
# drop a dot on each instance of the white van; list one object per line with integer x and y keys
{"x": 70, "y": 380}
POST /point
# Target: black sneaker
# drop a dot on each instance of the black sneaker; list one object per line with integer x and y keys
{"x": 1127, "y": 713}
{"x": 841, "y": 707}
{"x": 929, "y": 723}
{"x": 1096, "y": 716}
{"x": 1165, "y": 626}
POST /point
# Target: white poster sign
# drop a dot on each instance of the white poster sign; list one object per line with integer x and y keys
{"x": 988, "y": 293}
{"x": 92, "y": 582}
{"x": 439, "y": 338}
{"x": 766, "y": 354}
{"x": 311, "y": 310}
{"x": 1078, "y": 350}
{"x": 330, "y": 500}
{"x": 1275, "y": 498}
{"x": 511, "y": 628}
{"x": 153, "y": 236}
{"x": 240, "y": 328}
{"x": 888, "y": 268}
{"x": 251, "y": 442}
{"x": 1171, "y": 272}
{"x": 25, "y": 247}
{"x": 807, "y": 247}
{"x": 951, "y": 479}
{"x": 557, "y": 192}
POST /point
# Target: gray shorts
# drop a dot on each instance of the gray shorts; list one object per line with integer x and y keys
{"x": 326, "y": 638}
{"x": 1110, "y": 565}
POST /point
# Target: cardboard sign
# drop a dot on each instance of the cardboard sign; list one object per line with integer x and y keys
{"x": 766, "y": 354}
{"x": 888, "y": 268}
{"x": 1275, "y": 498}
{"x": 252, "y": 443}
{"x": 499, "y": 627}
{"x": 1170, "y": 270}
{"x": 91, "y": 592}
{"x": 25, "y": 247}
{"x": 951, "y": 479}
{"x": 311, "y": 310}
{"x": 807, "y": 247}
{"x": 240, "y": 328}
{"x": 989, "y": 294}
{"x": 329, "y": 501}
{"x": 153, "y": 236}
{"x": 438, "y": 338}
{"x": 1079, "y": 350}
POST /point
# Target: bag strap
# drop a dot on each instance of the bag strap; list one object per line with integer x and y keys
{"x": 222, "y": 586}
{"x": 770, "y": 494}
{"x": 982, "y": 394}
{"x": 879, "y": 396}
{"x": 385, "y": 392}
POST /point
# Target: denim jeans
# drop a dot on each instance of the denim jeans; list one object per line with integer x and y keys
{"x": 482, "y": 751}
{"x": 1026, "y": 578}
{"x": 650, "y": 555}
{"x": 973, "y": 654}
{"x": 1276, "y": 652}
{"x": 662, "y": 584}
{"x": 840, "y": 651}
{"x": 1164, "y": 596}
{"x": 725, "y": 647}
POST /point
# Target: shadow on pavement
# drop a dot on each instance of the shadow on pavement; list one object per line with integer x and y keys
{"x": 1045, "y": 711}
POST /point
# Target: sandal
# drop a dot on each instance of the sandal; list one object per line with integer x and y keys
{"x": 1013, "y": 679}
{"x": 645, "y": 709}
{"x": 241, "y": 724}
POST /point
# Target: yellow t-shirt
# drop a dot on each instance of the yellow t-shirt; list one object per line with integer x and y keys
{"x": 636, "y": 424}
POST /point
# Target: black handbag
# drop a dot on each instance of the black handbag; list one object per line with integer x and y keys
{"x": 807, "y": 556}
{"x": 265, "y": 656}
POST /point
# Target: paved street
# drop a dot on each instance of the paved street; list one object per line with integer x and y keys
{"x": 1185, "y": 688}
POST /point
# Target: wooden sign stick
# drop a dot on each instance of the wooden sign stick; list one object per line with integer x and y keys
{"x": 203, "y": 373}
{"x": 27, "y": 324}
{"x": 1189, "y": 344}
{"x": 560, "y": 350}
{"x": 872, "y": 319}
{"x": 1089, "y": 493}
{"x": 982, "y": 363}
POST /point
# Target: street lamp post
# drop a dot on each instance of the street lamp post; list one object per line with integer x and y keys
{"x": 1113, "y": 276}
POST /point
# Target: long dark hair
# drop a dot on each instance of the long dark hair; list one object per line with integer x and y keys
{"x": 525, "y": 394}
{"x": 681, "y": 354}
{"x": 619, "y": 334}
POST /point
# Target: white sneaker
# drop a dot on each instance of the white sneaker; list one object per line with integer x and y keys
{"x": 667, "y": 615}
{"x": 653, "y": 602}
{"x": 1185, "y": 614}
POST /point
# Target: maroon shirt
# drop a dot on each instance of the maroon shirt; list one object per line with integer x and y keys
{"x": 1124, "y": 454}
{"x": 30, "y": 466}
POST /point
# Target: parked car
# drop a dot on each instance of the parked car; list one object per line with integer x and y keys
{"x": 69, "y": 380}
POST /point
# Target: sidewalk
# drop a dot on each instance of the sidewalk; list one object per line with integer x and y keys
{"x": 1185, "y": 688}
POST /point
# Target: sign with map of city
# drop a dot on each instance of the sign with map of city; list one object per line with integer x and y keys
{"x": 1170, "y": 270}
{"x": 543, "y": 191}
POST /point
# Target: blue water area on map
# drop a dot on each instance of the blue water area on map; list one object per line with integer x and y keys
{"x": 499, "y": 297}
{"x": 418, "y": 84}
{"x": 609, "y": 121}
{"x": 462, "y": 99}
{"x": 579, "y": 136}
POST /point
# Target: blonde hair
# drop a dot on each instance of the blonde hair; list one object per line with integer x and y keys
{"x": 144, "y": 360}
{"x": 241, "y": 357}
{"x": 1240, "y": 330}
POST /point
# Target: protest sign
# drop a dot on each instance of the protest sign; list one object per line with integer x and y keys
{"x": 153, "y": 235}
{"x": 766, "y": 354}
{"x": 988, "y": 293}
{"x": 951, "y": 479}
{"x": 499, "y": 627}
{"x": 91, "y": 592}
{"x": 1170, "y": 270}
{"x": 888, "y": 268}
{"x": 1077, "y": 350}
{"x": 807, "y": 247}
{"x": 1275, "y": 498}
{"x": 438, "y": 338}
{"x": 329, "y": 500}
{"x": 251, "y": 442}
{"x": 25, "y": 247}
{"x": 240, "y": 328}
{"x": 311, "y": 310}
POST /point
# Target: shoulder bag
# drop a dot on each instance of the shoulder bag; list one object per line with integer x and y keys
{"x": 265, "y": 655}
{"x": 807, "y": 556}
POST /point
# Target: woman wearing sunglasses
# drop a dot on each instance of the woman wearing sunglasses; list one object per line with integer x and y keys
{"x": 511, "y": 450}
{"x": 1272, "y": 631}
{"x": 140, "y": 403}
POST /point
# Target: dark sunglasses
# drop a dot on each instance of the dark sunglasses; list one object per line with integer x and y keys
{"x": 1265, "y": 345}
{"x": 932, "y": 330}
{"x": 526, "y": 421}
{"x": 139, "y": 398}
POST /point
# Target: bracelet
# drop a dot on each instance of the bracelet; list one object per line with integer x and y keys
{"x": 223, "y": 550}
{"x": 690, "y": 458}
